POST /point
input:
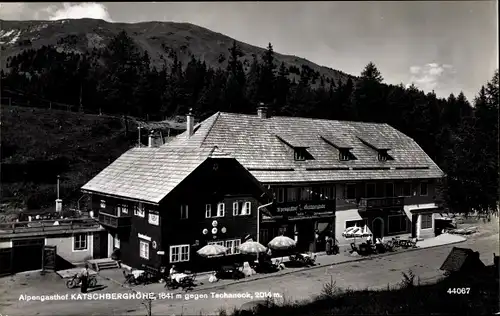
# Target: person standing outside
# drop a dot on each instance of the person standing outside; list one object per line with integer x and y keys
{"x": 84, "y": 278}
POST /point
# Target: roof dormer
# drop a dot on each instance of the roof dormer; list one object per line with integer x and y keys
{"x": 300, "y": 152}
{"x": 378, "y": 144}
{"x": 344, "y": 149}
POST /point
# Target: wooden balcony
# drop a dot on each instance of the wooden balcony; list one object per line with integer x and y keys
{"x": 115, "y": 221}
{"x": 366, "y": 204}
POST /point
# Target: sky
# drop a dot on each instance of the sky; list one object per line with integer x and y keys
{"x": 445, "y": 46}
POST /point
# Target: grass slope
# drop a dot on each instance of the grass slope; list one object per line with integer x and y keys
{"x": 408, "y": 299}
{"x": 160, "y": 39}
{"x": 39, "y": 144}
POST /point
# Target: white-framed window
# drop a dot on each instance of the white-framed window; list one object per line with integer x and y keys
{"x": 300, "y": 154}
{"x": 236, "y": 208}
{"x": 221, "y": 210}
{"x": 247, "y": 208}
{"x": 350, "y": 191}
{"x": 357, "y": 223}
{"x": 80, "y": 242}
{"x": 116, "y": 241}
{"x": 423, "y": 189}
{"x": 179, "y": 253}
{"x": 406, "y": 189}
{"x": 103, "y": 204}
{"x": 425, "y": 221}
{"x": 144, "y": 249}
{"x": 291, "y": 194}
{"x": 305, "y": 193}
{"x": 231, "y": 245}
{"x": 397, "y": 223}
{"x": 139, "y": 210}
{"x": 208, "y": 210}
{"x": 382, "y": 156}
{"x": 344, "y": 155}
{"x": 121, "y": 209}
{"x": 280, "y": 195}
{"x": 371, "y": 190}
{"x": 184, "y": 211}
{"x": 327, "y": 193}
{"x": 154, "y": 218}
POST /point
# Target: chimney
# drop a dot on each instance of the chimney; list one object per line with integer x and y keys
{"x": 190, "y": 123}
{"x": 262, "y": 111}
{"x": 154, "y": 139}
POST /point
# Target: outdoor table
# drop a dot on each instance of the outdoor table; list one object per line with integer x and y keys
{"x": 137, "y": 273}
{"x": 178, "y": 276}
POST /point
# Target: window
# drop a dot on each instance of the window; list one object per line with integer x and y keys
{"x": 406, "y": 189}
{"x": 103, "y": 204}
{"x": 280, "y": 195}
{"x": 221, "y": 209}
{"x": 282, "y": 230}
{"x": 184, "y": 211}
{"x": 371, "y": 190}
{"x": 382, "y": 156}
{"x": 121, "y": 209}
{"x": 153, "y": 218}
{"x": 208, "y": 210}
{"x": 327, "y": 193}
{"x": 291, "y": 194}
{"x": 139, "y": 210}
{"x": 426, "y": 221}
{"x": 358, "y": 223}
{"x": 144, "y": 249}
{"x": 247, "y": 208}
{"x": 232, "y": 246}
{"x": 423, "y": 189}
{"x": 344, "y": 155}
{"x": 116, "y": 241}
{"x": 305, "y": 194}
{"x": 389, "y": 189}
{"x": 179, "y": 253}
{"x": 242, "y": 208}
{"x": 300, "y": 154}
{"x": 397, "y": 223}
{"x": 80, "y": 242}
{"x": 350, "y": 191}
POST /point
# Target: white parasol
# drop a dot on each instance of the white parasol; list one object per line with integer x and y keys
{"x": 281, "y": 243}
{"x": 212, "y": 250}
{"x": 252, "y": 247}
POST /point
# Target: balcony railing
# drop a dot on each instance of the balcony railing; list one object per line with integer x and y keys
{"x": 48, "y": 225}
{"x": 114, "y": 221}
{"x": 366, "y": 204}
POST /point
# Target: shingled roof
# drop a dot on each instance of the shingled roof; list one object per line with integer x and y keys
{"x": 149, "y": 174}
{"x": 256, "y": 144}
{"x": 262, "y": 146}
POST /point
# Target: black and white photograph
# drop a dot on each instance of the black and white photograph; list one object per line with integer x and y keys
{"x": 265, "y": 158}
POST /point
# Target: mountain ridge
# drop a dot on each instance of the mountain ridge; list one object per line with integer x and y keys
{"x": 161, "y": 39}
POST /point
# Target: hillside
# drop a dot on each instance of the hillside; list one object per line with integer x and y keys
{"x": 160, "y": 39}
{"x": 39, "y": 144}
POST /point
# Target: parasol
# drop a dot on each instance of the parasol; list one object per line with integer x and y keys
{"x": 212, "y": 250}
{"x": 251, "y": 247}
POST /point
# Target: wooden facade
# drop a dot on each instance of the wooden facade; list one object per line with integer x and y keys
{"x": 216, "y": 182}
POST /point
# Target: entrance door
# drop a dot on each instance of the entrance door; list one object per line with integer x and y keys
{"x": 5, "y": 261}
{"x": 49, "y": 258}
{"x": 100, "y": 245}
{"x": 378, "y": 228}
{"x": 27, "y": 254}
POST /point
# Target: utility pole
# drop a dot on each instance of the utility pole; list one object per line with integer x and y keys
{"x": 139, "y": 140}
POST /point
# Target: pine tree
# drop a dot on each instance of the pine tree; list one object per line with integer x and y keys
{"x": 267, "y": 81}
{"x": 368, "y": 97}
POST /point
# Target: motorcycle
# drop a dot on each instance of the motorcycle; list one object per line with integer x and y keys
{"x": 186, "y": 283}
{"x": 75, "y": 281}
